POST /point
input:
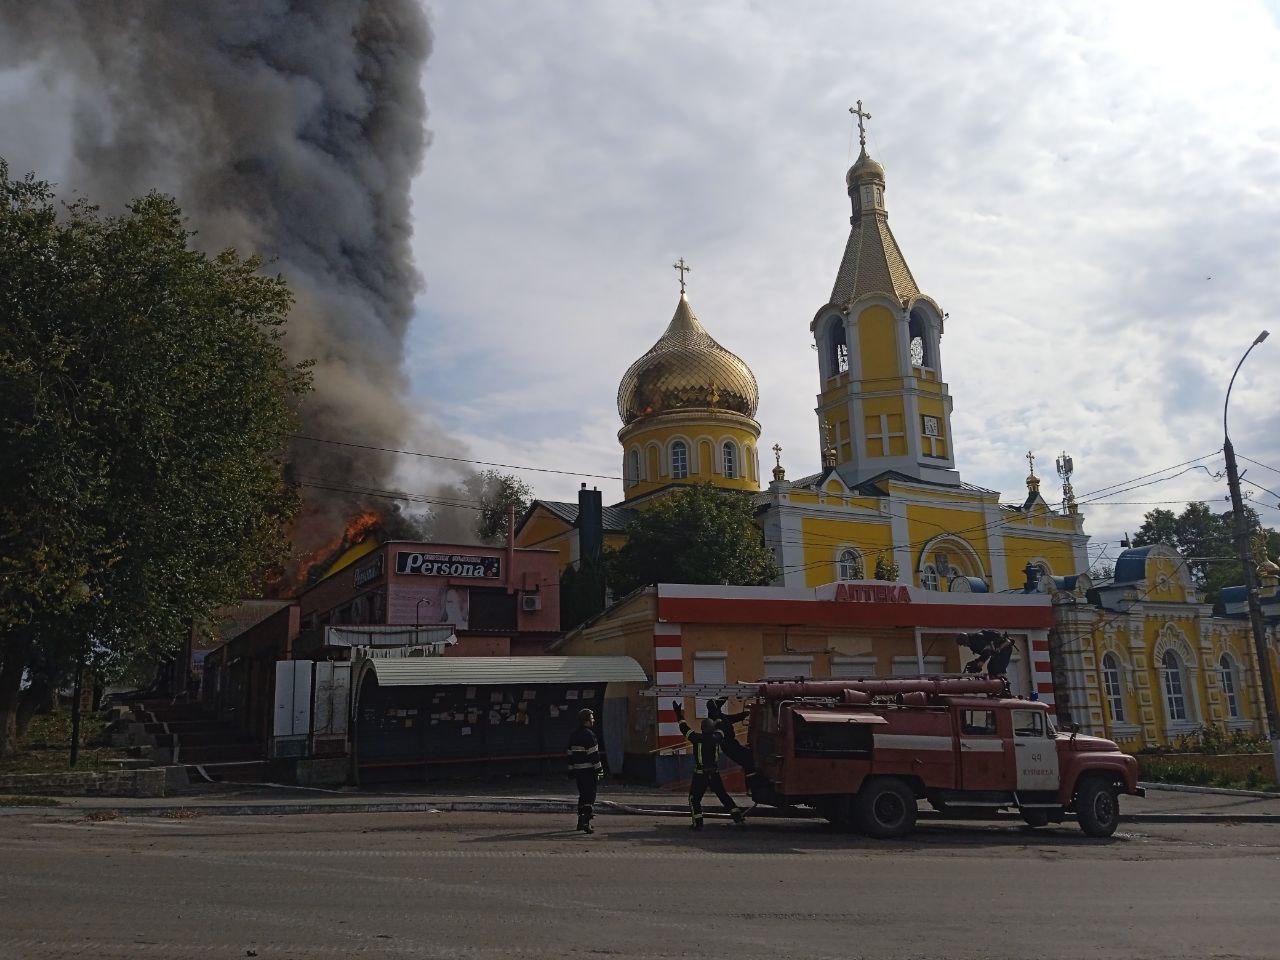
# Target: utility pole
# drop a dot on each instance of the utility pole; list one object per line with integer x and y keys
{"x": 1241, "y": 529}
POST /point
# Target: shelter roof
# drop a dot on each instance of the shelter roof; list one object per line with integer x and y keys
{"x": 498, "y": 671}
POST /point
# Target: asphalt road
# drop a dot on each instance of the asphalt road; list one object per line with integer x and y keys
{"x": 516, "y": 886}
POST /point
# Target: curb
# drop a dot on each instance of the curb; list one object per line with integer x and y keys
{"x": 286, "y": 809}
{"x": 271, "y": 809}
{"x": 1219, "y": 791}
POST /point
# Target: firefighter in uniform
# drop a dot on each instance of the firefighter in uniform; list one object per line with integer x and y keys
{"x": 706, "y": 772}
{"x": 585, "y": 767}
{"x": 733, "y": 748}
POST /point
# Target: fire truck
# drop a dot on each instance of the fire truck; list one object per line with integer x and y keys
{"x": 862, "y": 753}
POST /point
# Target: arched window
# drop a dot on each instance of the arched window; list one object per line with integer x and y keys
{"x": 1229, "y": 687}
{"x": 921, "y": 352}
{"x": 730, "y": 460}
{"x": 929, "y": 577}
{"x": 849, "y": 565}
{"x": 1175, "y": 697}
{"x": 679, "y": 460}
{"x": 633, "y": 466}
{"x": 838, "y": 349}
{"x": 1111, "y": 686}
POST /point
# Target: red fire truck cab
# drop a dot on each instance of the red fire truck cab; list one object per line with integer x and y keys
{"x": 862, "y": 753}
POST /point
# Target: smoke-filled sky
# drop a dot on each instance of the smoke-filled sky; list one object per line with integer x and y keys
{"x": 1092, "y": 190}
{"x": 289, "y": 130}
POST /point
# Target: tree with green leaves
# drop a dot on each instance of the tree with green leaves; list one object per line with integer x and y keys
{"x": 886, "y": 568}
{"x": 695, "y": 534}
{"x": 496, "y": 492}
{"x": 1206, "y": 542}
{"x": 145, "y": 400}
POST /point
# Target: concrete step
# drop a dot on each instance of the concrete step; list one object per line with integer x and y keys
{"x": 254, "y": 771}
{"x": 221, "y": 753}
{"x": 215, "y": 738}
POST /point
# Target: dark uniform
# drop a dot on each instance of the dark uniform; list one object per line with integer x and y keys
{"x": 994, "y": 651}
{"x": 706, "y": 772}
{"x": 586, "y": 768}
{"x": 733, "y": 748}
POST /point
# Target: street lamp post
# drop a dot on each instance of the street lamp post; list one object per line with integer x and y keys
{"x": 417, "y": 612}
{"x": 1241, "y": 530}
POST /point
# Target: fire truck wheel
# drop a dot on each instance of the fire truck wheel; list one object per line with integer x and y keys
{"x": 885, "y": 808}
{"x": 1097, "y": 808}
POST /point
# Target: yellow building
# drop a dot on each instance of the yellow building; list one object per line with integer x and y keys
{"x": 1141, "y": 659}
{"x": 888, "y": 493}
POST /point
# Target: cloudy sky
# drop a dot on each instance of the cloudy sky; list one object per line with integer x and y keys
{"x": 1092, "y": 190}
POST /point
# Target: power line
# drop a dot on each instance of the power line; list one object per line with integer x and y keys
{"x": 441, "y": 456}
{"x": 1241, "y": 456}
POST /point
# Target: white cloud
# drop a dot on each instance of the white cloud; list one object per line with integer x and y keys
{"x": 1063, "y": 178}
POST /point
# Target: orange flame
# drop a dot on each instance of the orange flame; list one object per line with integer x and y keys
{"x": 296, "y": 576}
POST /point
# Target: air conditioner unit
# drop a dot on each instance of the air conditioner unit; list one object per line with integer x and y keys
{"x": 530, "y": 602}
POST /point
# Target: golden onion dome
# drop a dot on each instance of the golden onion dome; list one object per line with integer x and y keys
{"x": 686, "y": 370}
{"x": 864, "y": 169}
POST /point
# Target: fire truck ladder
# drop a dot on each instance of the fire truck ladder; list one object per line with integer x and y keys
{"x": 802, "y": 687}
{"x": 707, "y": 691}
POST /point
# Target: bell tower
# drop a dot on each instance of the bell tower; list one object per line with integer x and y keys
{"x": 879, "y": 351}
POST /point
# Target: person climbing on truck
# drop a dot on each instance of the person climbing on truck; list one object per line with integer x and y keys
{"x": 706, "y": 772}
{"x": 733, "y": 748}
{"x": 993, "y": 652}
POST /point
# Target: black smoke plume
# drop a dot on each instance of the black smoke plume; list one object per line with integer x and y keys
{"x": 289, "y": 129}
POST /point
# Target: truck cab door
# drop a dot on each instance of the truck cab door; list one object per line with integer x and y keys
{"x": 982, "y": 752}
{"x": 1035, "y": 752}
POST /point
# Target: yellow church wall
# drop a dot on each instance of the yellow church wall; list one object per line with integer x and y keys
{"x": 933, "y": 407}
{"x": 824, "y": 536}
{"x": 936, "y": 494}
{"x": 927, "y": 381}
{"x": 927, "y": 521}
{"x": 704, "y": 441}
{"x": 1019, "y": 551}
{"x": 893, "y": 410}
{"x": 877, "y": 343}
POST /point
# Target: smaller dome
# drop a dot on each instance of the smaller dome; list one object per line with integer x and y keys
{"x": 864, "y": 169}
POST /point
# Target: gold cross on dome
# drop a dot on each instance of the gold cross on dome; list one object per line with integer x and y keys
{"x": 777, "y": 453}
{"x": 1031, "y": 462}
{"x": 861, "y": 115}
{"x": 683, "y": 268}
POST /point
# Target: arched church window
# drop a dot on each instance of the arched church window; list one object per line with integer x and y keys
{"x": 633, "y": 466}
{"x": 1111, "y": 686}
{"x": 1174, "y": 683}
{"x": 730, "y": 460}
{"x": 929, "y": 577}
{"x": 849, "y": 565}
{"x": 921, "y": 354}
{"x": 679, "y": 460}
{"x": 1229, "y": 686}
{"x": 838, "y": 347}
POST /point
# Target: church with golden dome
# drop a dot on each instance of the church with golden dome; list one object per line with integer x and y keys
{"x": 886, "y": 500}
{"x": 1138, "y": 658}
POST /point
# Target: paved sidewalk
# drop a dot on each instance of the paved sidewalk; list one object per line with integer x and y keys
{"x": 541, "y": 796}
